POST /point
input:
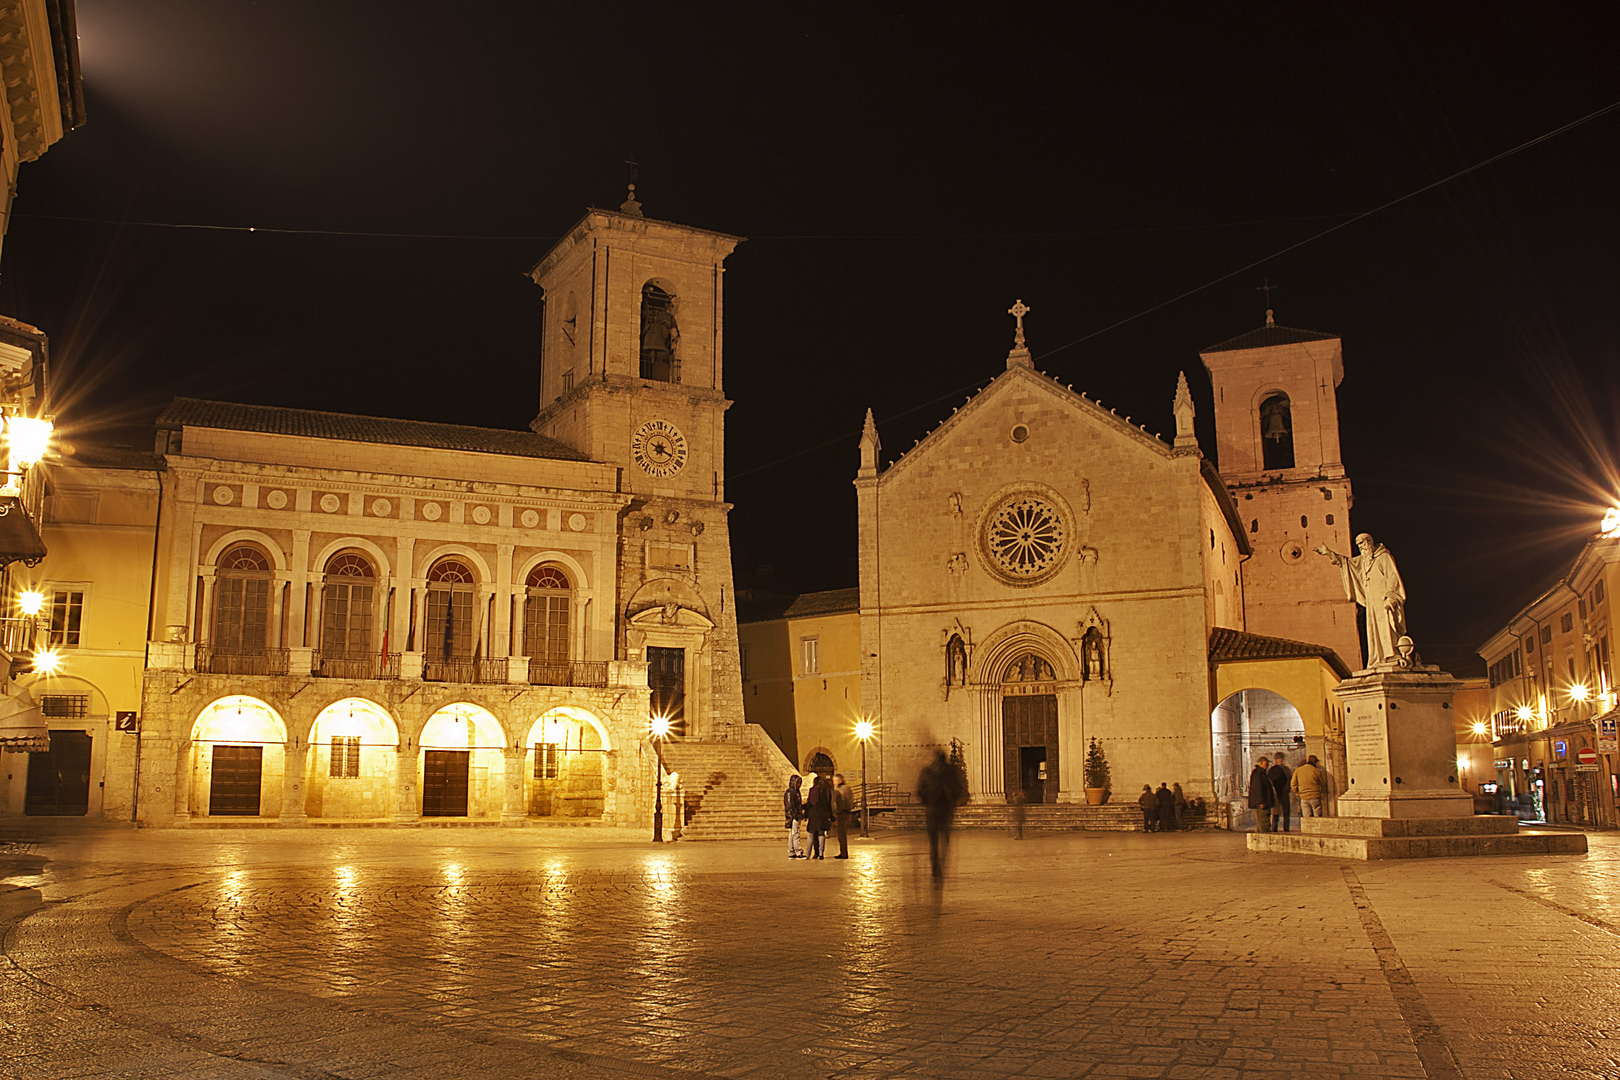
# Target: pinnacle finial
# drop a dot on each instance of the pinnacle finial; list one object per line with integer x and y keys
{"x": 630, "y": 206}
{"x": 1267, "y": 289}
{"x": 1184, "y": 411}
{"x": 1020, "y": 350}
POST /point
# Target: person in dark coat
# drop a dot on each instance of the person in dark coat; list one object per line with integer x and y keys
{"x": 1149, "y": 803}
{"x": 792, "y": 814}
{"x": 941, "y": 788}
{"x": 1280, "y": 774}
{"x": 1261, "y": 796}
{"x": 843, "y": 804}
{"x": 1167, "y": 808}
{"x": 1181, "y": 805}
{"x": 819, "y": 815}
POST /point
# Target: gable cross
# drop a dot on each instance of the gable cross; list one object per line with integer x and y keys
{"x": 1018, "y": 311}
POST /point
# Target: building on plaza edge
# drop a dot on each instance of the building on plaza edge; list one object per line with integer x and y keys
{"x": 357, "y": 618}
{"x": 1039, "y": 572}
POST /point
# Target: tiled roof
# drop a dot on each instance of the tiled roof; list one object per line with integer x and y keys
{"x": 310, "y": 424}
{"x": 804, "y": 605}
{"x": 1267, "y": 336}
{"x": 1227, "y": 644}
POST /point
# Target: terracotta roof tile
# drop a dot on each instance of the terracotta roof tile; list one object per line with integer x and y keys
{"x": 310, "y": 424}
{"x": 1225, "y": 644}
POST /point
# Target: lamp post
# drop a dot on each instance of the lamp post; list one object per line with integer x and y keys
{"x": 660, "y": 731}
{"x": 863, "y": 732}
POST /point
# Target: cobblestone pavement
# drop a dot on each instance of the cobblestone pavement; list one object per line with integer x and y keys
{"x": 569, "y": 953}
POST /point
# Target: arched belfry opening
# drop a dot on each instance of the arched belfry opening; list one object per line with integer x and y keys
{"x": 660, "y": 335}
{"x": 1029, "y": 729}
{"x": 1276, "y": 432}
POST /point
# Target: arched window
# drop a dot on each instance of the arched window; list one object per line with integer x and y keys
{"x": 660, "y": 337}
{"x": 347, "y": 604}
{"x": 448, "y": 634}
{"x": 545, "y": 614}
{"x": 1276, "y": 432}
{"x": 242, "y": 601}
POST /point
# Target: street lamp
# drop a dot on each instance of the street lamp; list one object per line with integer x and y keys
{"x": 27, "y": 439}
{"x": 863, "y": 732}
{"x": 660, "y": 732}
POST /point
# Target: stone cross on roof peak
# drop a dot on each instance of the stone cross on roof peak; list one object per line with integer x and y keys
{"x": 1019, "y": 355}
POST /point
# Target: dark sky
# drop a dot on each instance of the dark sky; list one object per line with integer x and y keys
{"x": 903, "y": 173}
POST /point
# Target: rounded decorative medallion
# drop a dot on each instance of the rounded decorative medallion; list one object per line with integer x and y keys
{"x": 223, "y": 495}
{"x": 481, "y": 515}
{"x": 432, "y": 511}
{"x": 1020, "y": 432}
{"x": 330, "y": 503}
{"x": 381, "y": 507}
{"x": 1024, "y": 539}
{"x": 658, "y": 448}
{"x": 530, "y": 519}
{"x": 276, "y": 499}
{"x": 1292, "y": 552}
{"x": 576, "y": 522}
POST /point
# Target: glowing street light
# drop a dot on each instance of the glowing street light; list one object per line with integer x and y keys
{"x": 27, "y": 439}
{"x": 1524, "y": 713}
{"x": 1579, "y": 692}
{"x": 30, "y": 602}
{"x": 863, "y": 732}
{"x": 1479, "y": 727}
{"x": 1611, "y": 523}
{"x": 48, "y": 662}
{"x": 660, "y": 728}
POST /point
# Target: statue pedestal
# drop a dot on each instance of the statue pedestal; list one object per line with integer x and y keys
{"x": 1404, "y": 801}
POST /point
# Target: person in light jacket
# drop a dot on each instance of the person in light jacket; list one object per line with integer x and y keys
{"x": 1309, "y": 783}
{"x": 793, "y": 812}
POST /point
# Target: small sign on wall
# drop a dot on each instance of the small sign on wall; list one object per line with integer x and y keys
{"x": 126, "y": 721}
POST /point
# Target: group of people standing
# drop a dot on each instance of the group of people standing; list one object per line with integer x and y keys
{"x": 829, "y": 804}
{"x": 1273, "y": 785}
{"x": 1164, "y": 810}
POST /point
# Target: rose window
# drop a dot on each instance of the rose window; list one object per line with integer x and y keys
{"x": 1024, "y": 538}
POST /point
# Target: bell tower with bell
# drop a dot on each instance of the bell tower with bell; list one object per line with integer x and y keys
{"x": 1277, "y": 446}
{"x": 630, "y": 375}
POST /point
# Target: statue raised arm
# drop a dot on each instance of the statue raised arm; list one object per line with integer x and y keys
{"x": 1371, "y": 580}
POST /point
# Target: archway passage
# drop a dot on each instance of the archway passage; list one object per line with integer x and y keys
{"x": 239, "y": 754}
{"x": 463, "y": 764}
{"x": 1246, "y": 726}
{"x": 352, "y": 762}
{"x": 566, "y": 765}
{"x": 1029, "y": 731}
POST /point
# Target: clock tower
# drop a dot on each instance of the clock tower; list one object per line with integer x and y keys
{"x": 630, "y": 375}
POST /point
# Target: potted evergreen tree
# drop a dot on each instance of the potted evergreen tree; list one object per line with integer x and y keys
{"x": 1097, "y": 775}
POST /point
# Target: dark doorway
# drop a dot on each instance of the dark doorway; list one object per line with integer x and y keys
{"x": 666, "y": 675}
{"x": 1029, "y": 734}
{"x": 59, "y": 779}
{"x": 1032, "y": 773}
{"x": 233, "y": 789}
{"x": 444, "y": 782}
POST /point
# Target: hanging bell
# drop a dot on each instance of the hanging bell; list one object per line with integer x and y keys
{"x": 1276, "y": 428}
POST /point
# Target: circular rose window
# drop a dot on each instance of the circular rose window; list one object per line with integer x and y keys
{"x": 1024, "y": 539}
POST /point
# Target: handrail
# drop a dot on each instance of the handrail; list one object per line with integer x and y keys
{"x": 568, "y": 672}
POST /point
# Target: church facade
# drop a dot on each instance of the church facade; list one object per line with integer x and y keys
{"x": 1039, "y": 572}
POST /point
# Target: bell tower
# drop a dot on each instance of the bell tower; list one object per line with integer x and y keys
{"x": 631, "y": 375}
{"x": 1277, "y": 444}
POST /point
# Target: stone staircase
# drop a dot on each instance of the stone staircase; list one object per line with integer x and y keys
{"x": 728, "y": 791}
{"x": 1060, "y": 817}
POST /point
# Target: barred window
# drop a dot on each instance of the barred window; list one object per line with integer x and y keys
{"x": 68, "y": 705}
{"x": 546, "y": 761}
{"x": 345, "y": 756}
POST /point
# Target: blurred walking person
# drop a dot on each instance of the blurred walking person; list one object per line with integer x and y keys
{"x": 1280, "y": 774}
{"x": 793, "y": 811}
{"x": 843, "y": 810}
{"x": 1167, "y": 808}
{"x": 1181, "y": 806}
{"x": 1149, "y": 803}
{"x": 1261, "y": 796}
{"x": 941, "y": 789}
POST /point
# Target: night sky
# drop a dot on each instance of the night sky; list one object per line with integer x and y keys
{"x": 903, "y": 174}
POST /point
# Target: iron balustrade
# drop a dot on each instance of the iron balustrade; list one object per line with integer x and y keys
{"x": 17, "y": 635}
{"x": 463, "y": 669}
{"x": 356, "y": 665}
{"x": 568, "y": 672}
{"x": 231, "y": 662}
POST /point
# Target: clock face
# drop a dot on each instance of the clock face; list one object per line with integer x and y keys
{"x": 659, "y": 448}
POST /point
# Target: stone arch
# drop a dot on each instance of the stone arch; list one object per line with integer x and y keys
{"x": 352, "y": 760}
{"x": 278, "y": 558}
{"x": 564, "y": 774}
{"x": 461, "y": 762}
{"x": 384, "y": 566}
{"x": 819, "y": 760}
{"x": 236, "y": 755}
{"x": 1005, "y": 645}
{"x": 665, "y": 590}
{"x": 1246, "y": 725}
{"x": 479, "y": 564}
{"x": 571, "y": 566}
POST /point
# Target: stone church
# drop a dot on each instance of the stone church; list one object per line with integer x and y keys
{"x": 1039, "y": 572}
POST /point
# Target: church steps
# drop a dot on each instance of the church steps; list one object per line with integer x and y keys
{"x": 729, "y": 793}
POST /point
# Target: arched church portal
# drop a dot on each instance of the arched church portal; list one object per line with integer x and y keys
{"x": 1245, "y": 727}
{"x": 1029, "y": 729}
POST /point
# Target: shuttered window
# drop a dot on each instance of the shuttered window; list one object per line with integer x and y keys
{"x": 345, "y": 762}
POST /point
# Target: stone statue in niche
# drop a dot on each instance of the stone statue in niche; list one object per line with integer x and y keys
{"x": 1091, "y": 655}
{"x": 1371, "y": 580}
{"x": 1029, "y": 668}
{"x": 956, "y": 503}
{"x": 956, "y": 662}
{"x": 957, "y": 563}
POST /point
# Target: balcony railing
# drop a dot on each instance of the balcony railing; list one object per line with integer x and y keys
{"x": 17, "y": 635}
{"x": 463, "y": 669}
{"x": 238, "y": 662}
{"x": 568, "y": 672}
{"x": 357, "y": 665}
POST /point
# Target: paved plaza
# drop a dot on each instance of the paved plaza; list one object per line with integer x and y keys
{"x": 580, "y": 953}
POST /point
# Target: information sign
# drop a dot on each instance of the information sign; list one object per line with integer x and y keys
{"x": 125, "y": 721}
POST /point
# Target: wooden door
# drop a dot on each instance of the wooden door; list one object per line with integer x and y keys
{"x": 1029, "y": 721}
{"x": 59, "y": 778}
{"x": 444, "y": 782}
{"x": 233, "y": 789}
